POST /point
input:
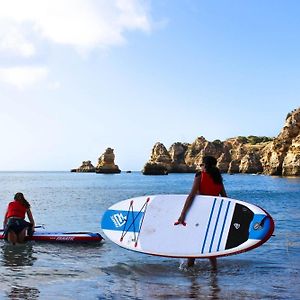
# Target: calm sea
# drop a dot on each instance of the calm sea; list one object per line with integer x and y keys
{"x": 69, "y": 201}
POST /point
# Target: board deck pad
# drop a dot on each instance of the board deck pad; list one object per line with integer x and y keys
{"x": 215, "y": 226}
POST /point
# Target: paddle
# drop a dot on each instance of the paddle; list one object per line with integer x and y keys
{"x": 38, "y": 226}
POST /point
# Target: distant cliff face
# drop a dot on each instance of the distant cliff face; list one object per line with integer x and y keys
{"x": 279, "y": 156}
{"x": 282, "y": 156}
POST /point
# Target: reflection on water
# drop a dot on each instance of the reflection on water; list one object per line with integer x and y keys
{"x": 16, "y": 259}
{"x": 22, "y": 292}
{"x": 161, "y": 281}
{"x": 166, "y": 280}
{"x": 17, "y": 256}
{"x": 211, "y": 291}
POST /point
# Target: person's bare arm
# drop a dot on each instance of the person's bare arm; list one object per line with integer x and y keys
{"x": 189, "y": 200}
{"x": 223, "y": 192}
{"x": 5, "y": 219}
{"x": 30, "y": 217}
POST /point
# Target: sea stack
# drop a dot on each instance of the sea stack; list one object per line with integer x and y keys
{"x": 106, "y": 163}
{"x": 86, "y": 167}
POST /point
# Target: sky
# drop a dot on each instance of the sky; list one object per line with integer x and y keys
{"x": 79, "y": 76}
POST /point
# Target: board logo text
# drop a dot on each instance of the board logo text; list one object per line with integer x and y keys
{"x": 118, "y": 219}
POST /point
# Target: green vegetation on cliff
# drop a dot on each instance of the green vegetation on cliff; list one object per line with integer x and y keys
{"x": 253, "y": 140}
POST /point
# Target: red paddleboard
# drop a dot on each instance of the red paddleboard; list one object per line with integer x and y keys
{"x": 62, "y": 237}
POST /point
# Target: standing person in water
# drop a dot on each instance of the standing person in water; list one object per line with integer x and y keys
{"x": 208, "y": 181}
{"x": 15, "y": 226}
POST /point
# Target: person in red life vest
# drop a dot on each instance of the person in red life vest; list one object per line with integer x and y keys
{"x": 207, "y": 182}
{"x": 15, "y": 226}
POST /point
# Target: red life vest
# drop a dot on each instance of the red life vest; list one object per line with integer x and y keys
{"x": 16, "y": 209}
{"x": 208, "y": 186}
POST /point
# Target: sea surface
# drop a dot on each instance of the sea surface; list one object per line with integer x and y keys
{"x": 70, "y": 201}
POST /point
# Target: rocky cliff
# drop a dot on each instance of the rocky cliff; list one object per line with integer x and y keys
{"x": 272, "y": 156}
{"x": 282, "y": 156}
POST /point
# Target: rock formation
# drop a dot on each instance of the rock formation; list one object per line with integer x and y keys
{"x": 159, "y": 160}
{"x": 86, "y": 167}
{"x": 282, "y": 156}
{"x": 272, "y": 156}
{"x": 154, "y": 169}
{"x": 106, "y": 163}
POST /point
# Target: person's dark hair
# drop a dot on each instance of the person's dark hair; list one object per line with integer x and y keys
{"x": 210, "y": 164}
{"x": 20, "y": 197}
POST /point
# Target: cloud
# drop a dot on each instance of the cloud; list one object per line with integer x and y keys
{"x": 55, "y": 85}
{"x": 83, "y": 24}
{"x": 23, "y": 77}
{"x": 14, "y": 42}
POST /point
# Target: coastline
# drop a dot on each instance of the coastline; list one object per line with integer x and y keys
{"x": 250, "y": 155}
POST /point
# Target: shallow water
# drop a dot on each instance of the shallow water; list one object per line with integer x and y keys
{"x": 68, "y": 201}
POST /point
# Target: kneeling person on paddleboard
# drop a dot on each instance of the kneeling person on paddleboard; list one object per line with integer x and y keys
{"x": 207, "y": 182}
{"x": 15, "y": 226}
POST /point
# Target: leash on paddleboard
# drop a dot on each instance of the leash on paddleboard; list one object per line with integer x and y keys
{"x": 134, "y": 218}
{"x": 260, "y": 225}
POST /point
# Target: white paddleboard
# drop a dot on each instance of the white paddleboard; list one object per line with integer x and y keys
{"x": 215, "y": 226}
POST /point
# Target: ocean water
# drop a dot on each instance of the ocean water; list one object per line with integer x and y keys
{"x": 70, "y": 201}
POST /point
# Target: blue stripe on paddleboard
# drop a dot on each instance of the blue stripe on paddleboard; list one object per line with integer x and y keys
{"x": 208, "y": 225}
{"x": 216, "y": 224}
{"x": 221, "y": 235}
